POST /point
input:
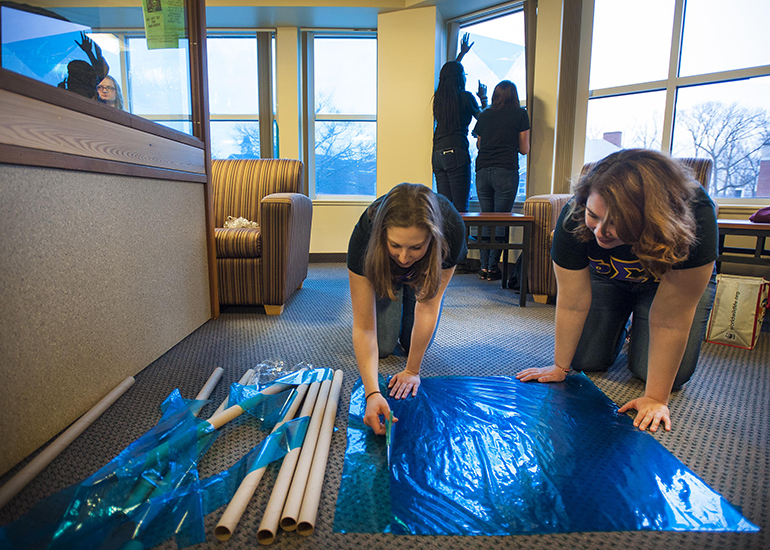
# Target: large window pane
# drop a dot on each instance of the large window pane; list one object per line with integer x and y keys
{"x": 720, "y": 36}
{"x": 730, "y": 124}
{"x": 631, "y": 42}
{"x": 157, "y": 80}
{"x": 234, "y": 139}
{"x": 346, "y": 76}
{"x": 497, "y": 54}
{"x": 345, "y": 84}
{"x": 345, "y": 158}
{"x": 623, "y": 122}
{"x": 233, "y": 75}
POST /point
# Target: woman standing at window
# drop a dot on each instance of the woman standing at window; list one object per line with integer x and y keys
{"x": 453, "y": 109}
{"x": 502, "y": 132}
{"x": 401, "y": 256}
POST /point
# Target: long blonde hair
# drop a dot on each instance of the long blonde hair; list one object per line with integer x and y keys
{"x": 406, "y": 205}
{"x": 648, "y": 197}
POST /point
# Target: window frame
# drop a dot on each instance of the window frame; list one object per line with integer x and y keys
{"x": 310, "y": 117}
{"x": 454, "y": 30}
{"x": 671, "y": 85}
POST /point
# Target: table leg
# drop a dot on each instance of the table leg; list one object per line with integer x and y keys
{"x": 526, "y": 242}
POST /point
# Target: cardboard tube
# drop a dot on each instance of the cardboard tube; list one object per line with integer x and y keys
{"x": 242, "y": 497}
{"x": 210, "y": 384}
{"x": 143, "y": 488}
{"x": 231, "y": 413}
{"x": 245, "y": 379}
{"x": 268, "y": 528}
{"x": 26, "y": 474}
{"x": 309, "y": 510}
{"x": 297, "y": 490}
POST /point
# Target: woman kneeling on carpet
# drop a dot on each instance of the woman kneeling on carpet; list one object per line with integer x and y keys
{"x": 401, "y": 256}
{"x": 639, "y": 236}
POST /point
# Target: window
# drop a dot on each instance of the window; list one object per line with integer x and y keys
{"x": 148, "y": 75}
{"x": 497, "y": 54}
{"x": 344, "y": 103}
{"x": 714, "y": 102}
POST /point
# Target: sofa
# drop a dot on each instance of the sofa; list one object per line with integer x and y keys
{"x": 261, "y": 265}
{"x": 546, "y": 210}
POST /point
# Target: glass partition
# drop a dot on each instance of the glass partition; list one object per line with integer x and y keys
{"x": 134, "y": 58}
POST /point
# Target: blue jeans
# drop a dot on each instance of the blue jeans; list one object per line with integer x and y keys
{"x": 395, "y": 321}
{"x": 605, "y": 329}
{"x": 452, "y": 168}
{"x": 496, "y": 188}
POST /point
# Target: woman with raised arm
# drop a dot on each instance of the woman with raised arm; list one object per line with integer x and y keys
{"x": 401, "y": 256}
{"x": 453, "y": 110}
{"x": 639, "y": 236}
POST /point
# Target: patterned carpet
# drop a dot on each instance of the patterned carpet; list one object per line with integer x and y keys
{"x": 721, "y": 423}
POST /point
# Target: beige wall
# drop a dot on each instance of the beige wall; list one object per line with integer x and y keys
{"x": 288, "y": 91}
{"x": 100, "y": 275}
{"x": 406, "y": 65}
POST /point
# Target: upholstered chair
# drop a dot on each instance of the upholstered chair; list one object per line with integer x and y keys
{"x": 546, "y": 210}
{"x": 264, "y": 265}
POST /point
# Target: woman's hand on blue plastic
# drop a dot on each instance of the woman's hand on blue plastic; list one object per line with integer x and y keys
{"x": 649, "y": 413}
{"x": 377, "y": 409}
{"x": 404, "y": 383}
{"x": 543, "y": 374}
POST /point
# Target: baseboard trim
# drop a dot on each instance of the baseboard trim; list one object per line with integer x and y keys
{"x": 328, "y": 257}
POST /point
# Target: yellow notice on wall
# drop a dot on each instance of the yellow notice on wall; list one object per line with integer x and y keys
{"x": 163, "y": 23}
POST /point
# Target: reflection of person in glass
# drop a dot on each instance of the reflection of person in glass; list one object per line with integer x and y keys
{"x": 639, "y": 236}
{"x": 502, "y": 132}
{"x": 453, "y": 109}
{"x": 83, "y": 76}
{"x": 401, "y": 256}
{"x": 109, "y": 93}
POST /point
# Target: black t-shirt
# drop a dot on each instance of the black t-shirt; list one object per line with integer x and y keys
{"x": 454, "y": 232}
{"x": 499, "y": 132}
{"x": 620, "y": 263}
{"x": 447, "y": 138}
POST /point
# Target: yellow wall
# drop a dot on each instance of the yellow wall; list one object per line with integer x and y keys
{"x": 288, "y": 91}
{"x": 406, "y": 64}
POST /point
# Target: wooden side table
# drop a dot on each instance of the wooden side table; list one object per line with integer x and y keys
{"x": 507, "y": 220}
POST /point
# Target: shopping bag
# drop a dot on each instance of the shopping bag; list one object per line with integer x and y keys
{"x": 739, "y": 308}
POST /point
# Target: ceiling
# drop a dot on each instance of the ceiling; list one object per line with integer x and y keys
{"x": 313, "y": 14}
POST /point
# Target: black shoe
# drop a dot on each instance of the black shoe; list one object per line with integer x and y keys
{"x": 483, "y": 274}
{"x": 494, "y": 275}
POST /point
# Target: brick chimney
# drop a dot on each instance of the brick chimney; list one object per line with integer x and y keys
{"x": 763, "y": 181}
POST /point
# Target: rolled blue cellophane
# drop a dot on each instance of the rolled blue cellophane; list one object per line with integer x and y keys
{"x": 497, "y": 456}
{"x": 151, "y": 491}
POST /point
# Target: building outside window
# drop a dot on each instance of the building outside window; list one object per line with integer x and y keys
{"x": 666, "y": 74}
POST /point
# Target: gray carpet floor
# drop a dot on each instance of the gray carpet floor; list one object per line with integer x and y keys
{"x": 721, "y": 421}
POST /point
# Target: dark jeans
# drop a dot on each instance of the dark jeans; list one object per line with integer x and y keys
{"x": 452, "y": 168}
{"x": 604, "y": 332}
{"x": 395, "y": 321}
{"x": 496, "y": 188}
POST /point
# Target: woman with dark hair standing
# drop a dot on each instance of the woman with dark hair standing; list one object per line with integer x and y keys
{"x": 502, "y": 132}
{"x": 401, "y": 256}
{"x": 453, "y": 109}
{"x": 639, "y": 236}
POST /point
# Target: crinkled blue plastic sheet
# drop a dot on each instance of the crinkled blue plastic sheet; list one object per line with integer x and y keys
{"x": 496, "y": 456}
{"x": 151, "y": 491}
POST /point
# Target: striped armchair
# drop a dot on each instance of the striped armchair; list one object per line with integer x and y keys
{"x": 262, "y": 266}
{"x": 546, "y": 210}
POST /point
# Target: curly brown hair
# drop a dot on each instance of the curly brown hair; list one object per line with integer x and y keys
{"x": 648, "y": 197}
{"x": 406, "y": 205}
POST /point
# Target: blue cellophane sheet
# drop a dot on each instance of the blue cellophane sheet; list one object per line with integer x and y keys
{"x": 496, "y": 456}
